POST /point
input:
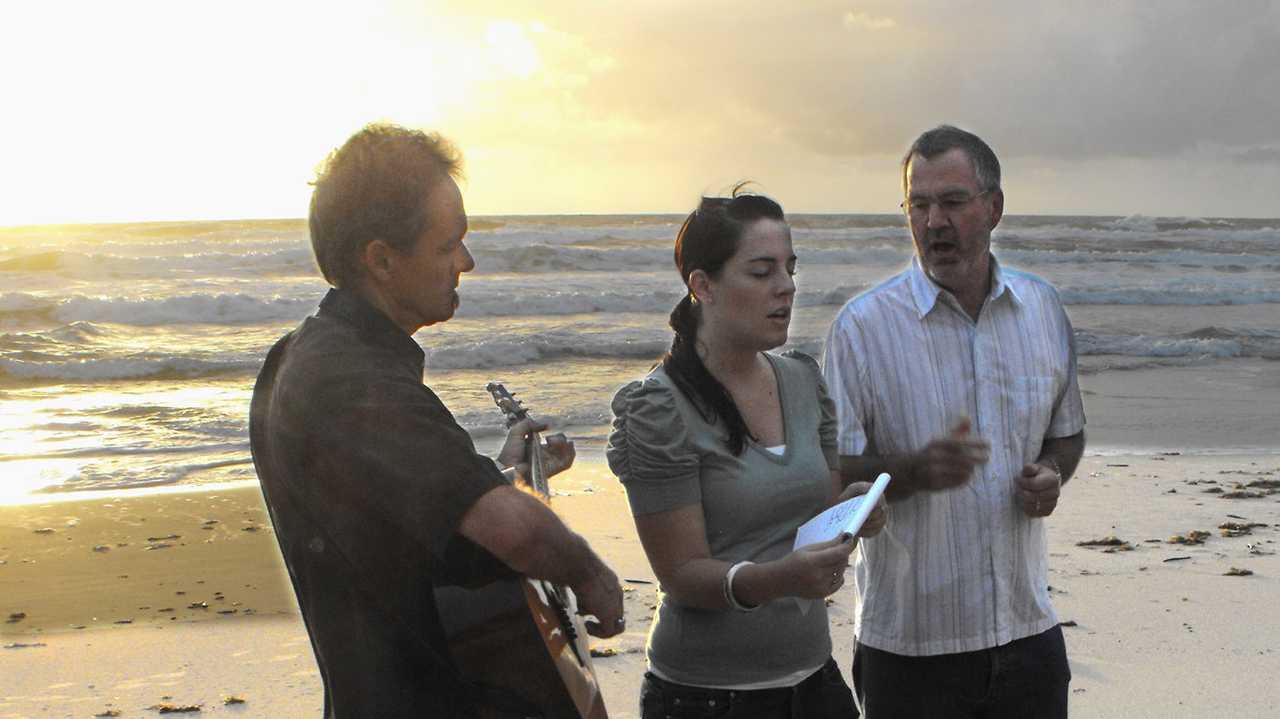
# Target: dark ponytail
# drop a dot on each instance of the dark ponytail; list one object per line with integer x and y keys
{"x": 706, "y": 241}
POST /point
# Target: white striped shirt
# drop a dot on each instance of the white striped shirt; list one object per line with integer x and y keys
{"x": 963, "y": 569}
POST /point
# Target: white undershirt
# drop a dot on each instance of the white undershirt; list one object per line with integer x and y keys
{"x": 789, "y": 680}
{"x": 779, "y": 450}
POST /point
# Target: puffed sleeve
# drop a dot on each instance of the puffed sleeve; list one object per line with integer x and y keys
{"x": 828, "y": 427}
{"x": 649, "y": 449}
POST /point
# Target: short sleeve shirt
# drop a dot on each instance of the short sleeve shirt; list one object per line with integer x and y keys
{"x": 964, "y": 569}
{"x": 367, "y": 477}
{"x": 668, "y": 455}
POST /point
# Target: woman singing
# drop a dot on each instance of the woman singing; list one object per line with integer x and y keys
{"x": 725, "y": 449}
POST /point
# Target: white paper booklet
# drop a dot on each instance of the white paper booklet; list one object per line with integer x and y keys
{"x": 844, "y": 518}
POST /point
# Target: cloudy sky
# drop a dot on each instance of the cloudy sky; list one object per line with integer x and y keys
{"x": 183, "y": 110}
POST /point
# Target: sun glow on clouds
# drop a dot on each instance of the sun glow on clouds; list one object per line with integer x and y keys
{"x": 511, "y": 49}
{"x": 148, "y": 110}
{"x": 145, "y": 109}
{"x": 868, "y": 22}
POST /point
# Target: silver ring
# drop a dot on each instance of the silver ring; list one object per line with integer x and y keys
{"x": 621, "y": 622}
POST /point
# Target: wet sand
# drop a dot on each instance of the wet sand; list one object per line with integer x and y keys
{"x": 181, "y": 598}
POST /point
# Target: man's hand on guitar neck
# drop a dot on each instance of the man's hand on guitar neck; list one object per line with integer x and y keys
{"x": 558, "y": 452}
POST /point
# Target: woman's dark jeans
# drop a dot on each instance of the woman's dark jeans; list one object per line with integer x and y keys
{"x": 822, "y": 695}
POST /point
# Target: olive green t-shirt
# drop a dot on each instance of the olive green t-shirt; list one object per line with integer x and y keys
{"x": 668, "y": 456}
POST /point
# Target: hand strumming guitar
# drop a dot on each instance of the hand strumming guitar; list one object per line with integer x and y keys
{"x": 558, "y": 452}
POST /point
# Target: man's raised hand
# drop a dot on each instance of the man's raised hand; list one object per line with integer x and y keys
{"x": 949, "y": 461}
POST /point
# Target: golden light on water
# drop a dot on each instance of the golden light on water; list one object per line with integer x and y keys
{"x": 23, "y": 438}
{"x": 25, "y": 477}
{"x": 49, "y": 437}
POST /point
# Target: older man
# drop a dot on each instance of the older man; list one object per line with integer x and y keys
{"x": 376, "y": 493}
{"x": 957, "y": 377}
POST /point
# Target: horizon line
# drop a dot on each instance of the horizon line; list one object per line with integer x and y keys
{"x": 792, "y": 213}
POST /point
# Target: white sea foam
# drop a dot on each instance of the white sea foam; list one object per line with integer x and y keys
{"x": 1202, "y": 295}
{"x": 615, "y": 293}
{"x": 1206, "y": 342}
{"x": 1144, "y": 346}
{"x": 504, "y": 350}
{"x": 139, "y": 449}
{"x": 122, "y": 368}
{"x": 224, "y": 308}
{"x": 12, "y": 302}
{"x": 112, "y": 476}
{"x": 1136, "y": 222}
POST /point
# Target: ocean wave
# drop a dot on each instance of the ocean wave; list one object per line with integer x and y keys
{"x": 1098, "y": 364}
{"x": 545, "y": 302}
{"x": 13, "y": 303}
{"x": 137, "y": 449}
{"x": 82, "y": 317}
{"x": 114, "y": 476}
{"x": 497, "y": 300}
{"x": 542, "y": 347}
{"x": 224, "y": 308}
{"x": 91, "y": 370}
{"x": 1028, "y": 254}
{"x": 81, "y": 314}
{"x": 482, "y": 424}
{"x": 1166, "y": 296}
{"x": 525, "y": 258}
{"x": 76, "y": 333}
{"x": 549, "y": 347}
{"x": 541, "y": 258}
{"x": 1205, "y": 342}
{"x": 1148, "y": 223}
{"x": 246, "y": 262}
{"x": 1102, "y": 240}
{"x": 1135, "y": 222}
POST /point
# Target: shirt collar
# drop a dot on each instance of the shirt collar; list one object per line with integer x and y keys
{"x": 925, "y": 292}
{"x": 351, "y": 308}
{"x": 1000, "y": 283}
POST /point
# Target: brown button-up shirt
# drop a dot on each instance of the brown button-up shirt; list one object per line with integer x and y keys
{"x": 367, "y": 476}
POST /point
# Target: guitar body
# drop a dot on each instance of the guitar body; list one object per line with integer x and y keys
{"x": 523, "y": 636}
{"x": 511, "y": 635}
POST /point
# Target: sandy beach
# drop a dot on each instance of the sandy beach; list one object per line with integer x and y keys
{"x": 180, "y": 598}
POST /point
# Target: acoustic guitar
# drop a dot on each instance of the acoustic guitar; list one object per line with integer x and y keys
{"x": 522, "y": 637}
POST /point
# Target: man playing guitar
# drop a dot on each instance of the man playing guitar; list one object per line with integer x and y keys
{"x": 377, "y": 495}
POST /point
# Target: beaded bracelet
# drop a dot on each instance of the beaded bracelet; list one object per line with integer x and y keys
{"x": 729, "y": 597}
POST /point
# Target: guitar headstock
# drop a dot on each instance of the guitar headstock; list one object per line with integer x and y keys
{"x": 512, "y": 408}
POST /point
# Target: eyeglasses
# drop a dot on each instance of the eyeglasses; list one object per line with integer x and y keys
{"x": 949, "y": 203}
